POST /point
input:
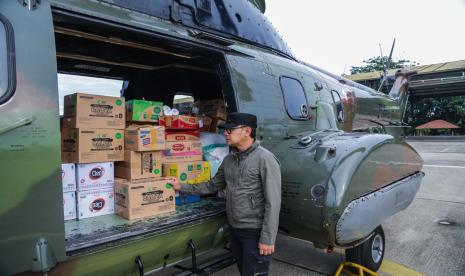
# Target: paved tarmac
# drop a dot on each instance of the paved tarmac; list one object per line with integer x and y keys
{"x": 416, "y": 241}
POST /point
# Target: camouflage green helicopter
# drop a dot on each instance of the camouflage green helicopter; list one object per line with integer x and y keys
{"x": 341, "y": 180}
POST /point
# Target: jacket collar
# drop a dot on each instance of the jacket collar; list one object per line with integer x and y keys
{"x": 246, "y": 152}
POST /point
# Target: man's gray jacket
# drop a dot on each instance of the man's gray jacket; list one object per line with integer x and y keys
{"x": 252, "y": 180}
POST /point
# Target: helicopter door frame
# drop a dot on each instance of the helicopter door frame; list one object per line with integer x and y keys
{"x": 31, "y": 202}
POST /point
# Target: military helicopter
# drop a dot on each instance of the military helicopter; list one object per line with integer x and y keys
{"x": 345, "y": 166}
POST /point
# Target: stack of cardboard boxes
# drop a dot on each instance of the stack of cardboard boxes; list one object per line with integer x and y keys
{"x": 68, "y": 180}
{"x": 140, "y": 189}
{"x": 146, "y": 146}
{"x": 92, "y": 139}
{"x": 213, "y": 114}
{"x": 95, "y": 189}
{"x": 182, "y": 158}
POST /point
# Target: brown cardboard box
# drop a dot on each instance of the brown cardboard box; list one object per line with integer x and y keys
{"x": 180, "y": 122}
{"x": 188, "y": 172}
{"x": 214, "y": 125}
{"x": 213, "y": 108}
{"x": 93, "y": 111}
{"x": 139, "y": 124}
{"x": 145, "y": 138}
{"x": 174, "y": 135}
{"x": 143, "y": 197}
{"x": 205, "y": 123}
{"x": 188, "y": 151}
{"x": 139, "y": 164}
{"x": 91, "y": 145}
{"x": 61, "y": 122}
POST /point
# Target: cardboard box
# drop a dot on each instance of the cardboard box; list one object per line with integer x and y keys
{"x": 93, "y": 111}
{"x": 213, "y": 108}
{"x": 205, "y": 123}
{"x": 143, "y": 111}
{"x": 95, "y": 203}
{"x": 188, "y": 172}
{"x": 180, "y": 122}
{"x": 139, "y": 124}
{"x": 214, "y": 125}
{"x": 144, "y": 197}
{"x": 69, "y": 205}
{"x": 93, "y": 176}
{"x": 139, "y": 164}
{"x": 91, "y": 145}
{"x": 145, "y": 138}
{"x": 188, "y": 151}
{"x": 68, "y": 177}
{"x": 174, "y": 135}
{"x": 61, "y": 122}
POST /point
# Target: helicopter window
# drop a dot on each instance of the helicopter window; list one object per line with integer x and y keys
{"x": 6, "y": 60}
{"x": 338, "y": 103}
{"x": 294, "y": 98}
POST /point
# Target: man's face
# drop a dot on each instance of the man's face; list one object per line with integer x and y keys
{"x": 236, "y": 136}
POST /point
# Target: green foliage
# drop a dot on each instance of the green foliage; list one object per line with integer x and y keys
{"x": 451, "y": 109}
{"x": 376, "y": 64}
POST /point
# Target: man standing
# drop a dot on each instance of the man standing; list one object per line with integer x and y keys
{"x": 251, "y": 176}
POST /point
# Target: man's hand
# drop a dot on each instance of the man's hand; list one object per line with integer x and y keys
{"x": 175, "y": 183}
{"x": 265, "y": 249}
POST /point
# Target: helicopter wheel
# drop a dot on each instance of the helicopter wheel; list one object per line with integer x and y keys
{"x": 369, "y": 254}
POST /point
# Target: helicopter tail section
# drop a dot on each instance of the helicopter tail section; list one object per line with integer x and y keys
{"x": 399, "y": 90}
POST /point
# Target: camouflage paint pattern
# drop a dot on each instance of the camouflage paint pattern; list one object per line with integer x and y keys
{"x": 31, "y": 197}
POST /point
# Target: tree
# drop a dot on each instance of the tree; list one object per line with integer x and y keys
{"x": 451, "y": 109}
{"x": 376, "y": 64}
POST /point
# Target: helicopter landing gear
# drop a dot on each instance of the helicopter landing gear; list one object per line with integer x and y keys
{"x": 369, "y": 254}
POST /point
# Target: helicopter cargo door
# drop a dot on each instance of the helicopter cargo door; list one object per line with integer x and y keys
{"x": 31, "y": 204}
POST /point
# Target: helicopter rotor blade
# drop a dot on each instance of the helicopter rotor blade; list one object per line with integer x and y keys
{"x": 381, "y": 84}
{"x": 390, "y": 54}
{"x": 386, "y": 65}
{"x": 382, "y": 60}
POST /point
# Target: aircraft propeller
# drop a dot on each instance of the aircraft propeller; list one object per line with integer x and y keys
{"x": 385, "y": 65}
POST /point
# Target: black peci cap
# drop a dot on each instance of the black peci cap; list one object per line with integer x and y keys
{"x": 239, "y": 119}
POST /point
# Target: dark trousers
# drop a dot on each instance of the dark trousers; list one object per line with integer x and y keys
{"x": 244, "y": 247}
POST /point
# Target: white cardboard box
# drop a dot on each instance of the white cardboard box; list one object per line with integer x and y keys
{"x": 68, "y": 177}
{"x": 93, "y": 176}
{"x": 95, "y": 203}
{"x": 69, "y": 205}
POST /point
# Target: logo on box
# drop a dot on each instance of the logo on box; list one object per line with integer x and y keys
{"x": 96, "y": 173}
{"x": 178, "y": 147}
{"x": 97, "y": 205}
{"x": 146, "y": 141}
{"x": 101, "y": 108}
{"x": 102, "y": 143}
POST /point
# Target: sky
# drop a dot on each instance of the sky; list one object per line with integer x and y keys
{"x": 69, "y": 84}
{"x": 338, "y": 34}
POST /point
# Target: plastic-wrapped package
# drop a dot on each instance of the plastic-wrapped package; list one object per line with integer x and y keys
{"x": 214, "y": 149}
